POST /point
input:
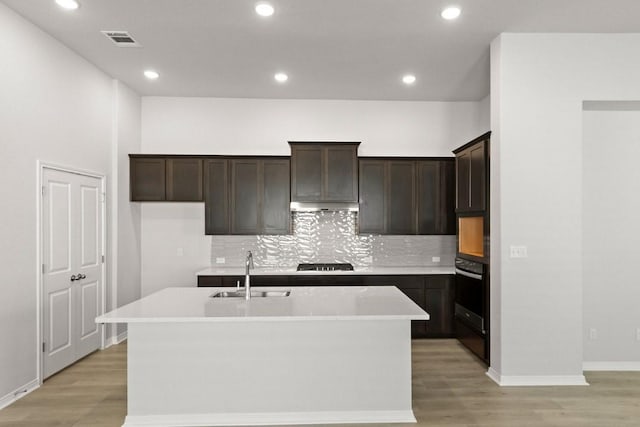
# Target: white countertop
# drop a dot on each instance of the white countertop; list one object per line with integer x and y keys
{"x": 358, "y": 271}
{"x": 304, "y": 303}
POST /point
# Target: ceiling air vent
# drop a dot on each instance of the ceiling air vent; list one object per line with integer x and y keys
{"x": 121, "y": 38}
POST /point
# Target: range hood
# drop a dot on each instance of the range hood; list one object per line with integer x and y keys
{"x": 324, "y": 206}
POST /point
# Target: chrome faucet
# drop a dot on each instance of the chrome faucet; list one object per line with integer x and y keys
{"x": 247, "y": 276}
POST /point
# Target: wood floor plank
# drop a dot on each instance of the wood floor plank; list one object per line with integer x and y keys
{"x": 450, "y": 389}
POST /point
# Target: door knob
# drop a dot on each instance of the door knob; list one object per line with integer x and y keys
{"x": 82, "y": 276}
{"x": 74, "y": 278}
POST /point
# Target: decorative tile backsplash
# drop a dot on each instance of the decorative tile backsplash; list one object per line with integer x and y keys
{"x": 332, "y": 237}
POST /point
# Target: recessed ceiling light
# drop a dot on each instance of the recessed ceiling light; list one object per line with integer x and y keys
{"x": 264, "y": 9}
{"x": 409, "y": 79}
{"x": 151, "y": 74}
{"x": 68, "y": 4}
{"x": 451, "y": 13}
{"x": 281, "y": 77}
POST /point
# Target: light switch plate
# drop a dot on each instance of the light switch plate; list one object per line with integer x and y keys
{"x": 518, "y": 252}
{"x": 435, "y": 259}
{"x": 220, "y": 260}
{"x": 179, "y": 252}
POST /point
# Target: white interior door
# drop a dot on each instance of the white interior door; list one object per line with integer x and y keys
{"x": 72, "y": 271}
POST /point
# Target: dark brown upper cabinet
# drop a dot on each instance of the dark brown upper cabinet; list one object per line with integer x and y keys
{"x": 406, "y": 196}
{"x": 324, "y": 172}
{"x": 401, "y": 188}
{"x": 372, "y": 217}
{"x": 147, "y": 179}
{"x": 165, "y": 178}
{"x": 471, "y": 175}
{"x": 259, "y": 197}
{"x": 436, "y": 196}
{"x": 216, "y": 196}
{"x": 184, "y": 180}
{"x": 276, "y": 216}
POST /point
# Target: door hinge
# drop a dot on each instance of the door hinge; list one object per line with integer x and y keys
{"x": 104, "y": 197}
{"x": 43, "y": 347}
{"x": 43, "y": 268}
{"x": 44, "y": 190}
{"x": 103, "y": 259}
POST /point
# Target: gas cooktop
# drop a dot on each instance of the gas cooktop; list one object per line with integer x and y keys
{"x": 325, "y": 267}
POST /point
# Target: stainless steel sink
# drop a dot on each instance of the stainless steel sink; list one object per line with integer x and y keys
{"x": 254, "y": 294}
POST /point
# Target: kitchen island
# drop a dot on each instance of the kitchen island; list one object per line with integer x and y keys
{"x": 320, "y": 355}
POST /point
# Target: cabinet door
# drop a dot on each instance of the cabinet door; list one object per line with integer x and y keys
{"x": 401, "y": 207}
{"x": 435, "y": 198}
{"x": 447, "y": 188}
{"x": 216, "y": 196}
{"x": 276, "y": 216}
{"x": 438, "y": 294}
{"x": 184, "y": 180}
{"x": 306, "y": 169}
{"x": 341, "y": 173}
{"x": 428, "y": 196}
{"x": 463, "y": 182}
{"x": 418, "y": 327}
{"x": 147, "y": 179}
{"x": 371, "y": 218}
{"x": 477, "y": 177}
{"x": 244, "y": 210}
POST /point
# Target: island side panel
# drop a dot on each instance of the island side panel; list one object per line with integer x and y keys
{"x": 287, "y": 371}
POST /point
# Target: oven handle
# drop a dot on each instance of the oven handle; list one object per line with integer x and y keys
{"x": 468, "y": 274}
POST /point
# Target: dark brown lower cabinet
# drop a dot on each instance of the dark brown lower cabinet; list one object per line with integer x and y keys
{"x": 433, "y": 293}
{"x": 439, "y": 303}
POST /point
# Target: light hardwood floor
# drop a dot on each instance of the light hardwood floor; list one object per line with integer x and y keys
{"x": 450, "y": 388}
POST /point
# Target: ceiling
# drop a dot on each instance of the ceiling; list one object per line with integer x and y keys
{"x": 331, "y": 49}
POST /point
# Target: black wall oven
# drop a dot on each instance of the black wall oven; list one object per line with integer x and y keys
{"x": 471, "y": 306}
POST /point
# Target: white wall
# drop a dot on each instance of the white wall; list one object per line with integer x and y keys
{"x": 536, "y": 102}
{"x": 54, "y": 107}
{"x": 126, "y": 257}
{"x": 611, "y": 238}
{"x": 484, "y": 118}
{"x": 262, "y": 126}
{"x": 57, "y": 108}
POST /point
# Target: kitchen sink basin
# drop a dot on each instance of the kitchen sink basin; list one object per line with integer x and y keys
{"x": 254, "y": 294}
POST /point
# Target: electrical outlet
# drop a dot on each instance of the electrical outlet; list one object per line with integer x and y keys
{"x": 220, "y": 260}
{"x": 435, "y": 259}
{"x": 638, "y": 334}
{"x": 518, "y": 251}
{"x": 179, "y": 252}
{"x": 593, "y": 334}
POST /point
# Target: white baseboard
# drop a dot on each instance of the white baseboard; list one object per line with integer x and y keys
{"x": 611, "y": 366}
{"x": 121, "y": 337}
{"x": 275, "y": 418}
{"x": 535, "y": 380}
{"x": 18, "y": 393}
{"x": 114, "y": 340}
